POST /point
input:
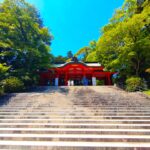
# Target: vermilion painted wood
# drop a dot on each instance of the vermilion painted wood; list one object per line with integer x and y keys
{"x": 75, "y": 70}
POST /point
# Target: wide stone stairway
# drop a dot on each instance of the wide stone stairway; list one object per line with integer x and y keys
{"x": 75, "y": 118}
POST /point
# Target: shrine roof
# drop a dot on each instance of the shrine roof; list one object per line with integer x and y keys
{"x": 79, "y": 62}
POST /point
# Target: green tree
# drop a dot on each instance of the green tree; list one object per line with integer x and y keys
{"x": 84, "y": 52}
{"x": 59, "y": 59}
{"x": 69, "y": 54}
{"x": 3, "y": 71}
{"x": 125, "y": 42}
{"x": 24, "y": 41}
{"x": 92, "y": 57}
{"x": 3, "y": 74}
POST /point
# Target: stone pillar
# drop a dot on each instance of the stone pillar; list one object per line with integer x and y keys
{"x": 94, "y": 81}
{"x": 72, "y": 82}
{"x": 69, "y": 83}
{"x": 56, "y": 81}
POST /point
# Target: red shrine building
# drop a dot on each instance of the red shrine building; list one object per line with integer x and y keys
{"x": 74, "y": 72}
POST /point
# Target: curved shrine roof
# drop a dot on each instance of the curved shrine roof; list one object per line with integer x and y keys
{"x": 79, "y": 62}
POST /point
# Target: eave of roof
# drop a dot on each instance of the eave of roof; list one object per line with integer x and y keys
{"x": 79, "y": 62}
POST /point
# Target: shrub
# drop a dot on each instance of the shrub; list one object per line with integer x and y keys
{"x": 135, "y": 84}
{"x": 30, "y": 80}
{"x": 13, "y": 84}
{"x": 1, "y": 91}
{"x": 119, "y": 80}
{"x": 100, "y": 82}
{"x": 27, "y": 80}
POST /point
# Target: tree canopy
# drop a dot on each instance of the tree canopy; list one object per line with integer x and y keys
{"x": 87, "y": 53}
{"x": 123, "y": 47}
{"x": 24, "y": 41}
{"x": 124, "y": 44}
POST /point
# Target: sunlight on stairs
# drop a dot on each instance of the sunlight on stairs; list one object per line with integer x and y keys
{"x": 24, "y": 125}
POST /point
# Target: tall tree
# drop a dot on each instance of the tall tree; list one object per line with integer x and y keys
{"x": 59, "y": 59}
{"x": 69, "y": 54}
{"x": 24, "y": 41}
{"x": 125, "y": 43}
{"x": 3, "y": 71}
{"x": 85, "y": 52}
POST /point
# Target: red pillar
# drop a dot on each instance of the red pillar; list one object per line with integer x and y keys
{"x": 106, "y": 80}
{"x": 109, "y": 79}
{"x": 66, "y": 79}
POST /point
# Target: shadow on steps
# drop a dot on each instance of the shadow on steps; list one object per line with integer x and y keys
{"x": 4, "y": 100}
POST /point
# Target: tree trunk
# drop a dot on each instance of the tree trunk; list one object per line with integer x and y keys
{"x": 138, "y": 67}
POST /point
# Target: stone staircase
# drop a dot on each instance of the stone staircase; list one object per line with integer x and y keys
{"x": 76, "y": 119}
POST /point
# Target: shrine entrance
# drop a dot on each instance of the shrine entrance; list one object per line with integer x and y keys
{"x": 77, "y": 73}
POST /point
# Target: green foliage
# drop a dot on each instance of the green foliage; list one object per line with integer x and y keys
{"x": 91, "y": 57}
{"x": 69, "y": 54}
{"x": 100, "y": 82}
{"x": 147, "y": 70}
{"x": 124, "y": 46}
{"x": 3, "y": 74}
{"x": 3, "y": 71}
{"x": 12, "y": 84}
{"x": 84, "y": 52}
{"x": 24, "y": 41}
{"x": 1, "y": 91}
{"x": 29, "y": 81}
{"x": 135, "y": 84}
{"x": 147, "y": 92}
{"x": 59, "y": 59}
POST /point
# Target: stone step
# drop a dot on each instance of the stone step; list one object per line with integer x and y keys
{"x": 74, "y": 132}
{"x": 103, "y": 120}
{"x": 75, "y": 140}
{"x": 65, "y": 116}
{"x": 86, "y": 104}
{"x": 85, "y": 136}
{"x": 48, "y": 112}
{"x": 75, "y": 124}
{"x": 112, "y": 104}
{"x": 69, "y": 116}
{"x": 78, "y": 123}
{"x": 64, "y": 122}
{"x": 102, "y": 126}
{"x": 74, "y": 107}
{"x": 76, "y": 144}
{"x": 20, "y": 116}
{"x": 79, "y": 113}
{"x": 76, "y": 110}
{"x": 77, "y": 129}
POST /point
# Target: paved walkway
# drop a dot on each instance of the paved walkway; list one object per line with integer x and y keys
{"x": 75, "y": 118}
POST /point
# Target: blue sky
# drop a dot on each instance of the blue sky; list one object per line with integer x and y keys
{"x": 74, "y": 23}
